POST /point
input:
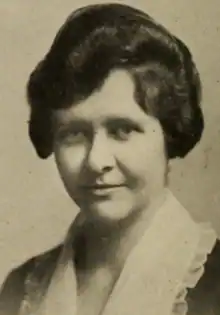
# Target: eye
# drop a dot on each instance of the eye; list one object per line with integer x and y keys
{"x": 122, "y": 132}
{"x": 73, "y": 136}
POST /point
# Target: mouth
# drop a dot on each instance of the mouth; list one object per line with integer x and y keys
{"x": 101, "y": 190}
{"x": 103, "y": 186}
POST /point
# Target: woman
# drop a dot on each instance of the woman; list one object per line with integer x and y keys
{"x": 116, "y": 98}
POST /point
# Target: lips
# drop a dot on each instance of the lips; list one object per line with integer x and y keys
{"x": 103, "y": 190}
{"x": 103, "y": 186}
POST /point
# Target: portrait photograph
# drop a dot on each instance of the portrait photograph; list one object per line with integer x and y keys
{"x": 110, "y": 157}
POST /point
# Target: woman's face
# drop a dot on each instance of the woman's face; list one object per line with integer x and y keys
{"x": 110, "y": 154}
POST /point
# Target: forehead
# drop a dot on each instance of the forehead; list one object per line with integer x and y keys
{"x": 115, "y": 98}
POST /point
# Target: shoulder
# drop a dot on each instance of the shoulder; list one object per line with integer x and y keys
{"x": 13, "y": 288}
{"x": 205, "y": 297}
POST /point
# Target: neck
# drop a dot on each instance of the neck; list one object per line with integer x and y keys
{"x": 115, "y": 240}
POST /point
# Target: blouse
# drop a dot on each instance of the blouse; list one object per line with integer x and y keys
{"x": 164, "y": 274}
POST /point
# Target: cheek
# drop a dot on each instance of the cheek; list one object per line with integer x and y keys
{"x": 69, "y": 162}
{"x": 144, "y": 157}
{"x": 143, "y": 153}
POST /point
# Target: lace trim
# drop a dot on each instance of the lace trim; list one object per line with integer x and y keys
{"x": 196, "y": 270}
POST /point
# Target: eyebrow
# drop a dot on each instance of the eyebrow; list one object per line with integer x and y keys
{"x": 115, "y": 120}
{"x": 72, "y": 123}
{"x": 109, "y": 122}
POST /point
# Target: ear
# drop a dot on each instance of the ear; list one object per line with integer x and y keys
{"x": 170, "y": 164}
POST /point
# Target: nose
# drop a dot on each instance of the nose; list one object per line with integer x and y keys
{"x": 100, "y": 159}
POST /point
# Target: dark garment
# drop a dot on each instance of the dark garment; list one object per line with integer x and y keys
{"x": 204, "y": 299}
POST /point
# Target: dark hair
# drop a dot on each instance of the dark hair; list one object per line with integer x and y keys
{"x": 99, "y": 38}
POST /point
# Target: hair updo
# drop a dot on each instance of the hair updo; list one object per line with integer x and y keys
{"x": 94, "y": 41}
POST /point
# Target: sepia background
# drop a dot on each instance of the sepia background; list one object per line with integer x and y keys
{"x": 35, "y": 211}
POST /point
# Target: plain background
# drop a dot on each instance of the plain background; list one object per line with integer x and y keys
{"x": 35, "y": 211}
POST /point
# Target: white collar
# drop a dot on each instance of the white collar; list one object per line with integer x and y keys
{"x": 155, "y": 272}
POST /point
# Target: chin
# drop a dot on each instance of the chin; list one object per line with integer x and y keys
{"x": 109, "y": 211}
